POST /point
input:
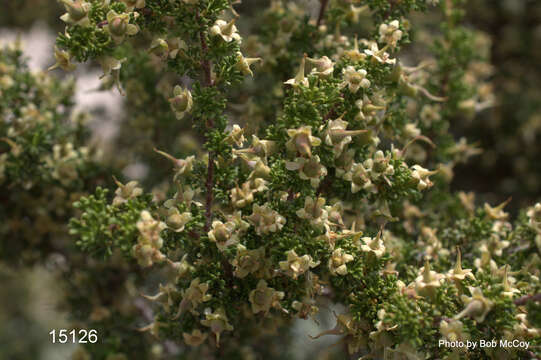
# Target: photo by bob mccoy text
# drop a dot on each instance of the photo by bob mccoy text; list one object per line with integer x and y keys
{"x": 470, "y": 345}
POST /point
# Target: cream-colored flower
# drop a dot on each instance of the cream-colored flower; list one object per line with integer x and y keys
{"x": 181, "y": 102}
{"x": 296, "y": 265}
{"x": 195, "y": 338}
{"x": 390, "y": 33}
{"x": 355, "y": 79}
{"x": 323, "y": 66}
{"x": 159, "y": 47}
{"x": 226, "y": 30}
{"x": 217, "y": 322}
{"x": 497, "y": 213}
{"x": 266, "y": 220}
{"x": 118, "y": 26}
{"x": 427, "y": 281}
{"x": 360, "y": 179}
{"x": 242, "y": 196}
{"x": 248, "y": 261}
{"x": 150, "y": 229}
{"x": 299, "y": 79}
{"x": 63, "y": 60}
{"x": 176, "y": 220}
{"x": 453, "y": 330}
{"x": 314, "y": 211}
{"x": 534, "y": 217}
{"x": 379, "y": 55}
{"x": 126, "y": 192}
{"x": 336, "y": 135}
{"x": 337, "y": 262}
{"x": 508, "y": 289}
{"x": 77, "y": 12}
{"x": 183, "y": 167}
{"x": 111, "y": 69}
{"x": 422, "y": 177}
{"x": 477, "y": 306}
{"x": 193, "y": 296}
{"x": 309, "y": 169}
{"x": 243, "y": 64}
{"x": 134, "y": 4}
{"x": 354, "y": 54}
{"x": 164, "y": 296}
{"x": 222, "y": 234}
{"x": 263, "y": 298}
{"x": 373, "y": 245}
{"x": 236, "y": 136}
{"x": 457, "y": 274}
{"x": 301, "y": 141}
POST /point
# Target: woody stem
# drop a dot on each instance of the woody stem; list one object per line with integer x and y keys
{"x": 206, "y": 65}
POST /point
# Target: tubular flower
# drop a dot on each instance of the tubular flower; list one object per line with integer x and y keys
{"x": 373, "y": 245}
{"x": 379, "y": 55}
{"x": 243, "y": 64}
{"x": 194, "y": 295}
{"x": 63, "y": 60}
{"x": 263, "y": 298}
{"x": 421, "y": 176}
{"x": 217, "y": 322}
{"x": 125, "y": 192}
{"x": 390, "y": 33}
{"x": 266, "y": 220}
{"x": 508, "y": 289}
{"x": 183, "y": 167}
{"x": 337, "y": 136}
{"x": 242, "y": 196}
{"x": 477, "y": 306}
{"x": 296, "y": 265}
{"x": 453, "y": 330}
{"x": 118, "y": 26}
{"x": 134, "y": 4}
{"x": 176, "y": 220}
{"x": 314, "y": 211}
{"x": 299, "y": 79}
{"x": 248, "y": 261}
{"x": 323, "y": 67}
{"x": 360, "y": 179}
{"x": 301, "y": 141}
{"x": 226, "y": 30}
{"x": 457, "y": 274}
{"x": 147, "y": 249}
{"x": 309, "y": 169}
{"x": 497, "y": 213}
{"x": 77, "y": 12}
{"x": 236, "y": 136}
{"x": 222, "y": 234}
{"x": 534, "y": 217}
{"x": 337, "y": 262}
{"x": 354, "y": 54}
{"x": 111, "y": 69}
{"x": 428, "y": 280}
{"x": 150, "y": 229}
{"x": 195, "y": 338}
{"x": 355, "y": 79}
{"x": 164, "y": 296}
{"x": 181, "y": 102}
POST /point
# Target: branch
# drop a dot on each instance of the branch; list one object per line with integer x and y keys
{"x": 322, "y": 11}
{"x": 206, "y": 65}
{"x": 523, "y": 300}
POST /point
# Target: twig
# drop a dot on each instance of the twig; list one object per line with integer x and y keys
{"x": 322, "y": 11}
{"x": 523, "y": 300}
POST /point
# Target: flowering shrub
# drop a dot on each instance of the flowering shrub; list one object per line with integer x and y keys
{"x": 323, "y": 177}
